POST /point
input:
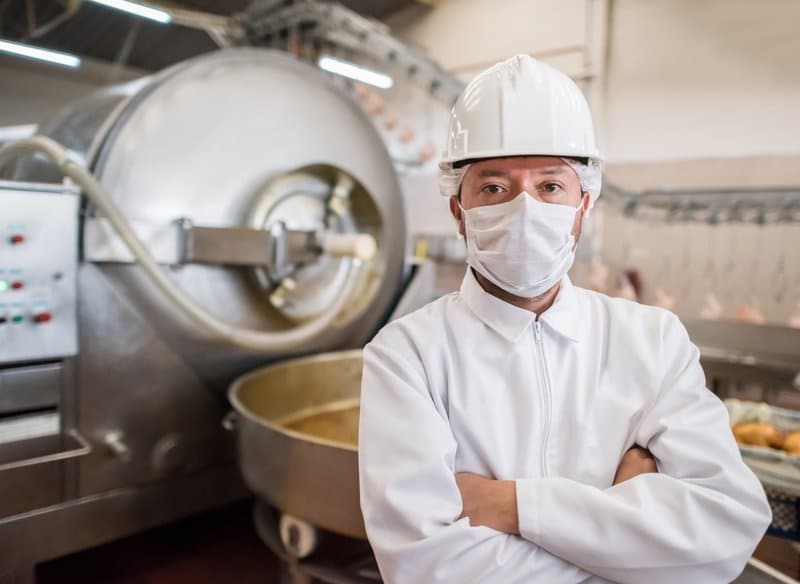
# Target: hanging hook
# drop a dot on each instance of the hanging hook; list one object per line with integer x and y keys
{"x": 735, "y": 211}
{"x": 713, "y": 213}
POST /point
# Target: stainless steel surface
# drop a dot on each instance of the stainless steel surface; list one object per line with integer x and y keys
{"x": 276, "y": 243}
{"x": 30, "y": 387}
{"x": 238, "y": 139}
{"x": 85, "y": 522}
{"x": 133, "y": 381}
{"x": 66, "y": 446}
{"x": 297, "y": 429}
{"x": 747, "y": 343}
{"x": 419, "y": 290}
{"x": 24, "y": 488}
{"x": 765, "y": 354}
{"x": 28, "y": 425}
{"x": 259, "y": 136}
{"x": 77, "y": 127}
{"x": 314, "y": 198}
{"x": 38, "y": 265}
{"x": 116, "y": 445}
{"x": 223, "y": 245}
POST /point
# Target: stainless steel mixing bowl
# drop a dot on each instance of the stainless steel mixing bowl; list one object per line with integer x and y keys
{"x": 297, "y": 425}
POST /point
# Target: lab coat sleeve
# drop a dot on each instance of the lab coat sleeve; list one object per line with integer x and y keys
{"x": 409, "y": 496}
{"x": 697, "y": 520}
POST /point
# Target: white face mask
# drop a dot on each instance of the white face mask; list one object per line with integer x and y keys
{"x": 523, "y": 245}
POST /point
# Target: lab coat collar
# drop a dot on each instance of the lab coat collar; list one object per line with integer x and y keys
{"x": 510, "y": 321}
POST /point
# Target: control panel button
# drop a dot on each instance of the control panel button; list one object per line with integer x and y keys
{"x": 42, "y": 317}
{"x": 3, "y": 285}
{"x": 16, "y": 239}
{"x": 17, "y": 285}
{"x": 17, "y": 318}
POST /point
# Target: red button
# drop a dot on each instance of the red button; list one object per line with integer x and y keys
{"x": 43, "y": 317}
{"x": 15, "y": 239}
{"x": 17, "y": 285}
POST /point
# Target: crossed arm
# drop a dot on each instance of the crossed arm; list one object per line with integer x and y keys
{"x": 493, "y": 503}
{"x": 697, "y": 519}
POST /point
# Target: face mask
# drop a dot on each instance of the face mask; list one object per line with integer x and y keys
{"x": 524, "y": 246}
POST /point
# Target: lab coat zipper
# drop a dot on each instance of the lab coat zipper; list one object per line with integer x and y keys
{"x": 543, "y": 373}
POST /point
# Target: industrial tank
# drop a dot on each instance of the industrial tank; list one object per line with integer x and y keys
{"x": 202, "y": 159}
{"x": 241, "y": 137}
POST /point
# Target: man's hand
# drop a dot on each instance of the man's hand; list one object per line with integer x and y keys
{"x": 636, "y": 461}
{"x": 489, "y": 502}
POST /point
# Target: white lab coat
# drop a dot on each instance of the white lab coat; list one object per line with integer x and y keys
{"x": 472, "y": 383}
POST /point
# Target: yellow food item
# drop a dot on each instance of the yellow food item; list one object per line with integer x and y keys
{"x": 792, "y": 443}
{"x": 759, "y": 434}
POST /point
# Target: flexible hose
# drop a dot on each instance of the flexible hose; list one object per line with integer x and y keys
{"x": 262, "y": 341}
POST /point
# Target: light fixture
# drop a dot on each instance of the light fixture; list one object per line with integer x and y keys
{"x": 355, "y": 72}
{"x": 138, "y": 9}
{"x": 12, "y": 133}
{"x": 32, "y": 52}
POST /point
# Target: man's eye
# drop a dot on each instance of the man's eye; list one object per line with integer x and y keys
{"x": 551, "y": 187}
{"x": 493, "y": 189}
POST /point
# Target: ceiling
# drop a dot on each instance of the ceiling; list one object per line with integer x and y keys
{"x": 109, "y": 35}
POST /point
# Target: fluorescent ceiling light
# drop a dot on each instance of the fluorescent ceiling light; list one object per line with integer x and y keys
{"x": 138, "y": 9}
{"x": 32, "y": 52}
{"x": 355, "y": 72}
{"x": 12, "y": 133}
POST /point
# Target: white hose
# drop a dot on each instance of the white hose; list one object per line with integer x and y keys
{"x": 266, "y": 341}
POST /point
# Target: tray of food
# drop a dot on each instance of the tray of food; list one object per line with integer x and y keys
{"x": 769, "y": 440}
{"x": 765, "y": 432}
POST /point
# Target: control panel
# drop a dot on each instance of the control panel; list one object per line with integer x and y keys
{"x": 38, "y": 271}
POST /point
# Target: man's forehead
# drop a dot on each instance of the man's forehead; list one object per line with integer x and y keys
{"x": 503, "y": 167}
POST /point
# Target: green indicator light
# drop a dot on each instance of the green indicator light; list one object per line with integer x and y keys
{"x": 17, "y": 318}
{"x": 3, "y": 285}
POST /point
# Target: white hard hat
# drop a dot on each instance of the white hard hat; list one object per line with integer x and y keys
{"x": 521, "y": 107}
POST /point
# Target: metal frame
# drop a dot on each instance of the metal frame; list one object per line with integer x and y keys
{"x": 745, "y": 205}
{"x": 82, "y": 449}
{"x": 337, "y": 26}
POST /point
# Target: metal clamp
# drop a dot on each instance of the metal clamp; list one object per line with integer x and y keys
{"x": 84, "y": 449}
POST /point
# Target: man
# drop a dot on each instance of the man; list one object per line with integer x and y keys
{"x": 497, "y": 422}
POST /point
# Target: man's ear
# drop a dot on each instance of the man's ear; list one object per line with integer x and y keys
{"x": 586, "y": 202}
{"x": 455, "y": 211}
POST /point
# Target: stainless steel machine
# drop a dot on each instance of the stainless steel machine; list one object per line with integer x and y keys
{"x": 251, "y": 213}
